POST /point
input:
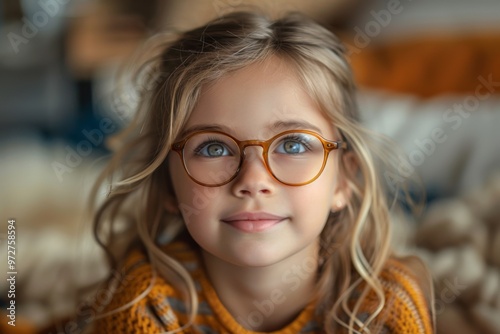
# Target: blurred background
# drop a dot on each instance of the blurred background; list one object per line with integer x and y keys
{"x": 429, "y": 77}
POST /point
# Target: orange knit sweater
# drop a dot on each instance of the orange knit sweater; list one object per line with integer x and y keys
{"x": 163, "y": 308}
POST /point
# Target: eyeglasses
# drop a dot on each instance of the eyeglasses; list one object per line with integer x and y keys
{"x": 294, "y": 157}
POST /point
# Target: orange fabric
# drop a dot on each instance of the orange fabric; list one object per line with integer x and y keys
{"x": 405, "y": 309}
{"x": 22, "y": 325}
{"x": 429, "y": 66}
{"x": 163, "y": 309}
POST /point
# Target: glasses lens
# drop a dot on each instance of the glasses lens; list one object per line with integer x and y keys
{"x": 211, "y": 158}
{"x": 296, "y": 158}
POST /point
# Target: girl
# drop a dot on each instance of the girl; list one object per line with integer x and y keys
{"x": 247, "y": 196}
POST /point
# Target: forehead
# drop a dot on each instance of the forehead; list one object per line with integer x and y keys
{"x": 250, "y": 102}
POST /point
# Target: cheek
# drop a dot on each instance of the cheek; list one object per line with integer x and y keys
{"x": 195, "y": 201}
{"x": 184, "y": 187}
{"x": 314, "y": 196}
{"x": 318, "y": 196}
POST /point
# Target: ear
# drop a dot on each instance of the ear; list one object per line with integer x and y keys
{"x": 348, "y": 167}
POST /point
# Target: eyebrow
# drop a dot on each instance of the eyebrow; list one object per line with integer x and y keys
{"x": 293, "y": 125}
{"x": 276, "y": 126}
{"x": 204, "y": 127}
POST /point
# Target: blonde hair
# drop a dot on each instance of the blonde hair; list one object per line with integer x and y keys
{"x": 355, "y": 243}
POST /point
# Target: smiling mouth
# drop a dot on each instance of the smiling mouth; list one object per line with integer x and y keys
{"x": 253, "y": 222}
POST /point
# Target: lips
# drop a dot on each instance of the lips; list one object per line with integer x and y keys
{"x": 253, "y": 221}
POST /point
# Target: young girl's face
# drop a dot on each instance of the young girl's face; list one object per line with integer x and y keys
{"x": 258, "y": 102}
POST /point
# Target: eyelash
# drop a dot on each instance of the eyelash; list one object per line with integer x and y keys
{"x": 207, "y": 142}
{"x": 216, "y": 141}
{"x": 297, "y": 139}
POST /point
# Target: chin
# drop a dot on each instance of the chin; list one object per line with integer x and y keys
{"x": 259, "y": 255}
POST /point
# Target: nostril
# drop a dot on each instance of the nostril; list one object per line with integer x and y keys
{"x": 245, "y": 192}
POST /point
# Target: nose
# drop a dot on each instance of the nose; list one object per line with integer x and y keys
{"x": 253, "y": 179}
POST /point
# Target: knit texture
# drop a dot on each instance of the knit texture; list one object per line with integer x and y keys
{"x": 164, "y": 309}
{"x": 405, "y": 310}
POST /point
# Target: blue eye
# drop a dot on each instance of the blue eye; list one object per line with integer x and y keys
{"x": 292, "y": 147}
{"x": 212, "y": 149}
{"x": 293, "y": 144}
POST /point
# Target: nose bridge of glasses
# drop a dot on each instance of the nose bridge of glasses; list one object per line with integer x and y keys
{"x": 248, "y": 143}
